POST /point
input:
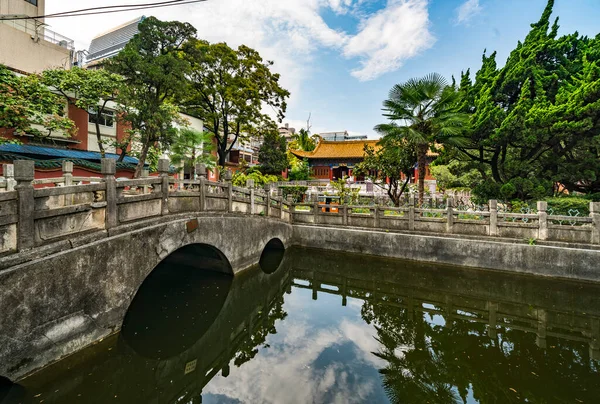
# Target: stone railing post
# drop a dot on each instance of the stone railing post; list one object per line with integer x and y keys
{"x": 163, "y": 170}
{"x": 411, "y": 212}
{"x": 229, "y": 197}
{"x": 24, "y": 175}
{"x": 201, "y": 172}
{"x": 345, "y": 215}
{"x": 292, "y": 210}
{"x": 542, "y": 207}
{"x": 252, "y": 201}
{"x": 108, "y": 170}
{"x": 493, "y": 229}
{"x": 67, "y": 169}
{"x": 8, "y": 172}
{"x": 376, "y": 217}
{"x": 145, "y": 174}
{"x": 227, "y": 177}
{"x": 449, "y": 214}
{"x": 268, "y": 208}
{"x": 316, "y": 212}
{"x": 595, "y": 214}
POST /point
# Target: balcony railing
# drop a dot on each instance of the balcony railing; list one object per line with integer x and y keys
{"x": 37, "y": 31}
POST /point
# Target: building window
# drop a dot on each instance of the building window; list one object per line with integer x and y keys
{"x": 107, "y": 118}
{"x": 34, "y": 2}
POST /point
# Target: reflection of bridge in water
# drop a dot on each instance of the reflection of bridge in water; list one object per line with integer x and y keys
{"x": 115, "y": 371}
{"x": 495, "y": 299}
{"x": 243, "y": 322}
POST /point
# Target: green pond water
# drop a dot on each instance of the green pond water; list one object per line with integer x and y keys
{"x": 324, "y": 327}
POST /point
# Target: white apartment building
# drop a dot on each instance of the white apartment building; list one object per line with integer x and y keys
{"x": 28, "y": 46}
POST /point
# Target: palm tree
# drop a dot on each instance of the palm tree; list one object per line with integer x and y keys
{"x": 424, "y": 112}
{"x": 304, "y": 141}
{"x": 192, "y": 147}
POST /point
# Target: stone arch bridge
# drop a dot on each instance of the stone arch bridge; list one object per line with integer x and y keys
{"x": 74, "y": 256}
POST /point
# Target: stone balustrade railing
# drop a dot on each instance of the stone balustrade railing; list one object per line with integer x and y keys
{"x": 38, "y": 212}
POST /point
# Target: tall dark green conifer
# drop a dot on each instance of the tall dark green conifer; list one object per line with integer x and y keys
{"x": 533, "y": 121}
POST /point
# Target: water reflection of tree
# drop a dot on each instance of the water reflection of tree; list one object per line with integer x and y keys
{"x": 249, "y": 348}
{"x": 433, "y": 363}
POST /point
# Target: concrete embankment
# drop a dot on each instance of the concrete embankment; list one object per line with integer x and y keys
{"x": 558, "y": 261}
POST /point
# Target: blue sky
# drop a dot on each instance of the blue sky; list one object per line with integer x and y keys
{"x": 339, "y": 58}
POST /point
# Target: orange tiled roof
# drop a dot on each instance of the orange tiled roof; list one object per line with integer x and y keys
{"x": 342, "y": 149}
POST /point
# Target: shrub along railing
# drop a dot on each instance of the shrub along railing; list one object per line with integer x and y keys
{"x": 66, "y": 208}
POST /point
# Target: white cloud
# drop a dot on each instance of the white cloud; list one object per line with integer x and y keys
{"x": 467, "y": 11}
{"x": 389, "y": 37}
{"x": 289, "y": 32}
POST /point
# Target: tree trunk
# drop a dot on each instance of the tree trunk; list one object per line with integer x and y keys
{"x": 222, "y": 155}
{"x": 122, "y": 156}
{"x": 422, "y": 162}
{"x": 141, "y": 160}
{"x": 99, "y": 138}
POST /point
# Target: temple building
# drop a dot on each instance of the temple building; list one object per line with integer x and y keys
{"x": 334, "y": 160}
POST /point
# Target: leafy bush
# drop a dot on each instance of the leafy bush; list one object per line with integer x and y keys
{"x": 239, "y": 178}
{"x": 297, "y": 192}
{"x": 593, "y": 197}
{"x": 562, "y": 205}
{"x": 300, "y": 172}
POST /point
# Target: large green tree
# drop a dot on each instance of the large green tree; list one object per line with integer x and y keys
{"x": 229, "y": 89}
{"x": 27, "y": 106}
{"x": 390, "y": 161}
{"x": 424, "y": 112}
{"x": 154, "y": 74}
{"x": 272, "y": 153}
{"x": 535, "y": 121}
{"x": 90, "y": 90}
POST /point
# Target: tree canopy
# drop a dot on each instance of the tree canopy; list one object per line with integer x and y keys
{"x": 229, "y": 88}
{"x": 392, "y": 160}
{"x": 27, "y": 106}
{"x": 90, "y": 90}
{"x": 272, "y": 153}
{"x": 535, "y": 122}
{"x": 154, "y": 82}
{"x": 422, "y": 112}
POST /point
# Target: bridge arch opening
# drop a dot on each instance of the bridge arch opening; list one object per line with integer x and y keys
{"x": 178, "y": 302}
{"x": 11, "y": 392}
{"x": 272, "y": 256}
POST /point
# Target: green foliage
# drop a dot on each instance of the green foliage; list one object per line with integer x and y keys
{"x": 304, "y": 141}
{"x": 90, "y": 90}
{"x": 192, "y": 147}
{"x": 296, "y": 191}
{"x": 593, "y": 197}
{"x": 347, "y": 194}
{"x": 272, "y": 153}
{"x": 454, "y": 175}
{"x": 25, "y": 101}
{"x": 239, "y": 178}
{"x": 392, "y": 159}
{"x": 154, "y": 83}
{"x": 424, "y": 112}
{"x": 534, "y": 121}
{"x": 301, "y": 171}
{"x": 562, "y": 205}
{"x": 229, "y": 88}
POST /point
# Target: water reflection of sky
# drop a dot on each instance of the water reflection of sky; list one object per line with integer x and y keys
{"x": 322, "y": 353}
